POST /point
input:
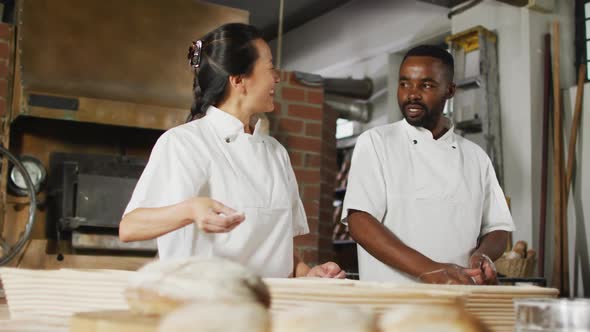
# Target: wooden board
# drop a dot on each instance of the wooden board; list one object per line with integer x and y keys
{"x": 113, "y": 321}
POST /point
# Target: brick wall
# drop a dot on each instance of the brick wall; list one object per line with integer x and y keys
{"x": 307, "y": 129}
{"x": 6, "y": 32}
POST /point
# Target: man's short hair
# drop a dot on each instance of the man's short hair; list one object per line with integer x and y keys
{"x": 435, "y": 52}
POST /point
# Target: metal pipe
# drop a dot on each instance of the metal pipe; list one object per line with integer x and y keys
{"x": 348, "y": 87}
{"x": 350, "y": 109}
{"x": 463, "y": 8}
{"x": 280, "y": 34}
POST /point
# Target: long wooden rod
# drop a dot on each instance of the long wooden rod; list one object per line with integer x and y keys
{"x": 571, "y": 154}
{"x": 545, "y": 147}
{"x": 557, "y": 185}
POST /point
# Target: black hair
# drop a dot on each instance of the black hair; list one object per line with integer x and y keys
{"x": 226, "y": 51}
{"x": 435, "y": 52}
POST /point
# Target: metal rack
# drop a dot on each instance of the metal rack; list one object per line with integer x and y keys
{"x": 475, "y": 109}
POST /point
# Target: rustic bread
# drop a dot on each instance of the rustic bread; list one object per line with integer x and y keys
{"x": 430, "y": 318}
{"x": 217, "y": 317}
{"x": 162, "y": 286}
{"x": 325, "y": 318}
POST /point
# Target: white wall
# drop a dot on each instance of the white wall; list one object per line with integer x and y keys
{"x": 355, "y": 40}
{"x": 510, "y": 24}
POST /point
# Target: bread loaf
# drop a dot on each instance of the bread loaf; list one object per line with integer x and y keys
{"x": 162, "y": 286}
{"x": 325, "y": 318}
{"x": 217, "y": 317}
{"x": 430, "y": 318}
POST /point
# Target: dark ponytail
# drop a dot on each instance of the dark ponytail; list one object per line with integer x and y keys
{"x": 226, "y": 51}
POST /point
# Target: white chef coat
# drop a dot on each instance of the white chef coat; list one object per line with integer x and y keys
{"x": 437, "y": 196}
{"x": 213, "y": 157}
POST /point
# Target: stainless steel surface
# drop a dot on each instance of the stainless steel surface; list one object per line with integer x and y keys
{"x": 351, "y": 109}
{"x": 556, "y": 315}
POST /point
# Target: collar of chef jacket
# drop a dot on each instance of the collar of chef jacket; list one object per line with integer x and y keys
{"x": 418, "y": 134}
{"x": 228, "y": 127}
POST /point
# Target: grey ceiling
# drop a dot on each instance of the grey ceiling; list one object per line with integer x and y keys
{"x": 264, "y": 14}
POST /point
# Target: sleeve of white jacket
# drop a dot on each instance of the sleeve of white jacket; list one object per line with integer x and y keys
{"x": 366, "y": 183}
{"x": 170, "y": 176}
{"x": 496, "y": 215}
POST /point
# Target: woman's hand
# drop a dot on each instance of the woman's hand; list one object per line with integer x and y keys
{"x": 327, "y": 270}
{"x": 211, "y": 216}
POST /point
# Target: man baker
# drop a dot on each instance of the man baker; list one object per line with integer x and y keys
{"x": 423, "y": 203}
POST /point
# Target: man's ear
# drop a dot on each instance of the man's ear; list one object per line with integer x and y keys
{"x": 451, "y": 90}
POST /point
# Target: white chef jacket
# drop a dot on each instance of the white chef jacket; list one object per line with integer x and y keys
{"x": 213, "y": 157}
{"x": 437, "y": 196}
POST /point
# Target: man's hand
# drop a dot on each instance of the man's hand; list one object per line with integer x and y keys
{"x": 484, "y": 264}
{"x": 451, "y": 274}
{"x": 327, "y": 270}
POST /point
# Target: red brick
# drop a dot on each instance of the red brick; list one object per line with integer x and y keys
{"x": 307, "y": 240}
{"x": 329, "y": 139}
{"x": 311, "y": 208}
{"x": 296, "y": 158}
{"x": 325, "y": 243}
{"x": 4, "y": 52}
{"x": 294, "y": 94}
{"x": 291, "y": 126}
{"x": 278, "y": 106}
{"x": 311, "y": 191}
{"x": 326, "y": 215}
{"x": 3, "y": 70}
{"x": 5, "y": 31}
{"x": 304, "y": 143}
{"x": 312, "y": 160}
{"x": 312, "y": 223}
{"x": 329, "y": 163}
{"x": 307, "y": 176}
{"x": 305, "y": 112}
{"x": 328, "y": 150}
{"x": 330, "y": 115}
{"x": 329, "y": 132}
{"x": 326, "y": 228}
{"x": 313, "y": 129}
{"x": 315, "y": 97}
{"x": 3, "y": 88}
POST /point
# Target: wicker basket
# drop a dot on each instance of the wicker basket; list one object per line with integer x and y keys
{"x": 516, "y": 267}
